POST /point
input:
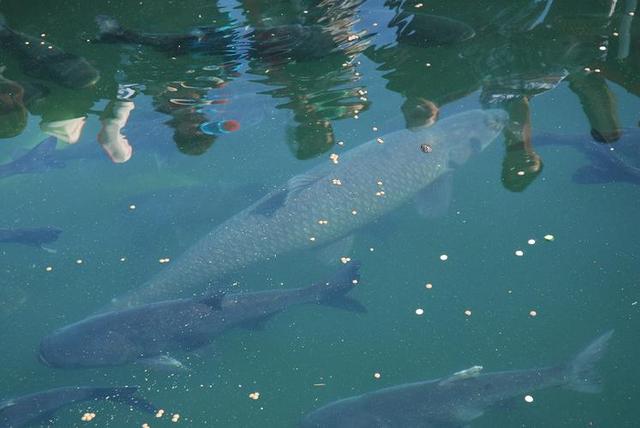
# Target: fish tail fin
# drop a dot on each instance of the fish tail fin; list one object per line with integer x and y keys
{"x": 127, "y": 396}
{"x": 108, "y": 27}
{"x": 581, "y": 374}
{"x": 333, "y": 292}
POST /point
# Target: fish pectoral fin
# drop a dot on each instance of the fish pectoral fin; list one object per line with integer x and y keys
{"x": 257, "y": 324}
{"x": 162, "y": 363}
{"x": 331, "y": 253}
{"x": 467, "y": 413}
{"x": 434, "y": 200}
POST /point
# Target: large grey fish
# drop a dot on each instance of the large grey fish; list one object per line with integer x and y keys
{"x": 457, "y": 400}
{"x": 44, "y": 60}
{"x": 148, "y": 333}
{"x": 39, "y": 407}
{"x": 328, "y": 202}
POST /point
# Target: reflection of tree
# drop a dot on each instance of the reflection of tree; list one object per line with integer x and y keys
{"x": 307, "y": 54}
{"x": 528, "y": 48}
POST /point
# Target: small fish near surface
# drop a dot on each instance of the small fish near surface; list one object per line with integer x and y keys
{"x": 613, "y": 162}
{"x": 44, "y": 60}
{"x": 329, "y": 202}
{"x": 148, "y": 333}
{"x": 36, "y": 236}
{"x": 39, "y": 408}
{"x": 457, "y": 400}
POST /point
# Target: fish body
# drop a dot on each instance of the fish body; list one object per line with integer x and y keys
{"x": 457, "y": 400}
{"x": 30, "y": 236}
{"x": 44, "y": 60}
{"x": 39, "y": 407}
{"x": 39, "y": 159}
{"x": 327, "y": 203}
{"x": 619, "y": 161}
{"x": 149, "y": 332}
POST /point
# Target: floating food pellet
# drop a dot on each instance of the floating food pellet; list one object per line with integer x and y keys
{"x": 419, "y": 311}
{"x": 319, "y": 384}
{"x": 419, "y": 5}
{"x": 159, "y": 413}
{"x": 132, "y": 207}
{"x": 345, "y": 260}
{"x": 334, "y": 157}
{"x": 340, "y": 143}
{"x": 379, "y": 183}
{"x": 312, "y": 238}
{"x": 520, "y": 173}
{"x": 428, "y": 286}
{"x": 528, "y": 398}
{"x": 79, "y": 261}
{"x": 336, "y": 181}
{"x": 444, "y": 257}
{"x": 354, "y": 212}
{"x": 371, "y": 249}
{"x": 379, "y": 140}
{"x": 377, "y": 375}
{"x": 533, "y": 313}
{"x": 175, "y": 417}
{"x": 354, "y": 281}
{"x": 48, "y": 268}
{"x": 467, "y": 312}
{"x": 603, "y": 48}
{"x": 165, "y": 260}
{"x": 531, "y": 241}
{"x": 380, "y": 193}
{"x": 519, "y": 253}
{"x": 88, "y": 416}
{"x": 322, "y": 221}
{"x": 145, "y": 425}
{"x": 254, "y": 395}
{"x": 616, "y": 34}
{"x": 123, "y": 259}
{"x": 374, "y": 129}
{"x": 549, "y": 238}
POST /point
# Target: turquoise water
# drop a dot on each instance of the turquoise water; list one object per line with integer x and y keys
{"x": 294, "y": 109}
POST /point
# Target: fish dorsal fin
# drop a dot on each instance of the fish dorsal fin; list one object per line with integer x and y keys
{"x": 461, "y": 375}
{"x": 269, "y": 205}
{"x": 214, "y": 301}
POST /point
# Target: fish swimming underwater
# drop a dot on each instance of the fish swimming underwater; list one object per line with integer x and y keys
{"x": 39, "y": 407}
{"x": 44, "y": 60}
{"x": 327, "y": 203}
{"x": 39, "y": 159}
{"x": 37, "y": 236}
{"x": 619, "y": 161}
{"x": 457, "y": 400}
{"x": 148, "y": 333}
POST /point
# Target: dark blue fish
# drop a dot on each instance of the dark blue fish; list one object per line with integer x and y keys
{"x": 455, "y": 401}
{"x": 147, "y": 334}
{"x": 40, "y": 159}
{"x": 37, "y": 236}
{"x": 44, "y": 60}
{"x": 39, "y": 407}
{"x": 618, "y": 161}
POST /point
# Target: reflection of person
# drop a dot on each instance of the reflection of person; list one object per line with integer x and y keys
{"x": 113, "y": 119}
{"x": 512, "y": 60}
{"x": 319, "y": 94}
{"x": 13, "y": 113}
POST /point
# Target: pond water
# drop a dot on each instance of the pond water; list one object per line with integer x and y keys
{"x": 252, "y": 210}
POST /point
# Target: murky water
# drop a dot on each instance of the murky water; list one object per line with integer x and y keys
{"x": 480, "y": 161}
